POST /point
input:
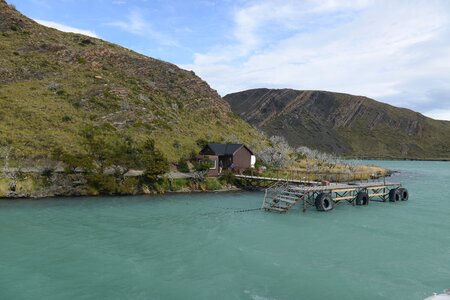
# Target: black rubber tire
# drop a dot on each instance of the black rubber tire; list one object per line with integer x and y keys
{"x": 362, "y": 198}
{"x": 324, "y": 202}
{"x": 394, "y": 195}
{"x": 404, "y": 194}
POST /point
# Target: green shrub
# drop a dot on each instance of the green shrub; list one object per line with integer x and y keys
{"x": 201, "y": 142}
{"x": 153, "y": 160}
{"x": 248, "y": 171}
{"x": 103, "y": 184}
{"x": 212, "y": 184}
{"x": 48, "y": 172}
{"x": 182, "y": 165}
{"x": 179, "y": 184}
{"x": 129, "y": 186}
{"x": 203, "y": 164}
{"x": 193, "y": 155}
{"x": 66, "y": 118}
{"x": 176, "y": 145}
{"x": 162, "y": 185}
{"x": 73, "y": 161}
{"x": 227, "y": 177}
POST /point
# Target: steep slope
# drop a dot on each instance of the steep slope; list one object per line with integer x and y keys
{"x": 55, "y": 85}
{"x": 344, "y": 124}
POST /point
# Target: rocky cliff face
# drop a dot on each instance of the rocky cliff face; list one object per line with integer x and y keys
{"x": 53, "y": 85}
{"x": 344, "y": 124}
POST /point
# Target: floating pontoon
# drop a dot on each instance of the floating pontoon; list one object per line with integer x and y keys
{"x": 284, "y": 195}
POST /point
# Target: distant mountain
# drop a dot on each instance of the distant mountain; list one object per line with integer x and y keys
{"x": 54, "y": 86}
{"x": 351, "y": 126}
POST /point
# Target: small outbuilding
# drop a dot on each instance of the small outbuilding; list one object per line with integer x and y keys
{"x": 235, "y": 157}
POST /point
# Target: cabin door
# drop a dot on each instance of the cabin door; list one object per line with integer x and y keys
{"x": 225, "y": 161}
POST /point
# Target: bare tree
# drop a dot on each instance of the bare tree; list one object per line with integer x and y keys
{"x": 322, "y": 157}
{"x": 278, "y": 154}
{"x": 201, "y": 168}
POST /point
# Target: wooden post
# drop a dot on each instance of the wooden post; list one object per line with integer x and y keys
{"x": 264, "y": 202}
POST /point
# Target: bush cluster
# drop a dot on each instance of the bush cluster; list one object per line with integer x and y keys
{"x": 108, "y": 149}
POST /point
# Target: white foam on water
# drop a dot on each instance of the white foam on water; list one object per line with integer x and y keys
{"x": 438, "y": 297}
{"x": 445, "y": 296}
{"x": 257, "y": 297}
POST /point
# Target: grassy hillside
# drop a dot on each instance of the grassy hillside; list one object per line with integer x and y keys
{"x": 352, "y": 126}
{"x": 97, "y": 110}
{"x": 55, "y": 87}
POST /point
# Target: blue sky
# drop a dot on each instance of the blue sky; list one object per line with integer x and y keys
{"x": 394, "y": 51}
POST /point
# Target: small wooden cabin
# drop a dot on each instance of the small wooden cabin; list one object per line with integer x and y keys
{"x": 235, "y": 157}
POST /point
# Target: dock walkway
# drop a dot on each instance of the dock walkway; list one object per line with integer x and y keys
{"x": 283, "y": 193}
{"x": 281, "y": 198}
{"x": 273, "y": 179}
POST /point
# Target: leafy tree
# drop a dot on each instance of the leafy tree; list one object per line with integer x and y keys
{"x": 73, "y": 161}
{"x": 202, "y": 165}
{"x": 106, "y": 147}
{"x": 124, "y": 154}
{"x": 153, "y": 161}
{"x": 97, "y": 145}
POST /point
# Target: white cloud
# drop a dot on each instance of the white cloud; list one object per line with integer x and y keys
{"x": 136, "y": 24}
{"x": 396, "y": 51}
{"x": 438, "y": 114}
{"x": 66, "y": 28}
{"x": 333, "y": 5}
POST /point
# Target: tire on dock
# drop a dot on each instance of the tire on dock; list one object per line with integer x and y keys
{"x": 404, "y": 194}
{"x": 362, "y": 198}
{"x": 395, "y": 195}
{"x": 324, "y": 202}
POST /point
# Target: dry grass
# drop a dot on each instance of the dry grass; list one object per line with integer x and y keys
{"x": 336, "y": 172}
{"x": 4, "y": 187}
{"x": 25, "y": 186}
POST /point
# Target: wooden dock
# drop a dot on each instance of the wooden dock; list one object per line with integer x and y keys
{"x": 282, "y": 197}
{"x": 273, "y": 179}
{"x": 282, "y": 194}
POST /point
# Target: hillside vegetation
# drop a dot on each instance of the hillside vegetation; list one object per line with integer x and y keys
{"x": 81, "y": 116}
{"x": 347, "y": 125}
{"x": 58, "y": 89}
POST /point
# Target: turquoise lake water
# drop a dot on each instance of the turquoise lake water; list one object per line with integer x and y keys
{"x": 198, "y": 247}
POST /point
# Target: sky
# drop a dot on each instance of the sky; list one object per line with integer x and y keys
{"x": 393, "y": 51}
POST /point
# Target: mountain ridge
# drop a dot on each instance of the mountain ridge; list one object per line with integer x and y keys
{"x": 54, "y": 85}
{"x": 351, "y": 126}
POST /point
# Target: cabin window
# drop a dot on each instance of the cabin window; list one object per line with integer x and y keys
{"x": 213, "y": 164}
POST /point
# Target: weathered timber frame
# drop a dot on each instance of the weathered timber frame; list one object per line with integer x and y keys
{"x": 282, "y": 196}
